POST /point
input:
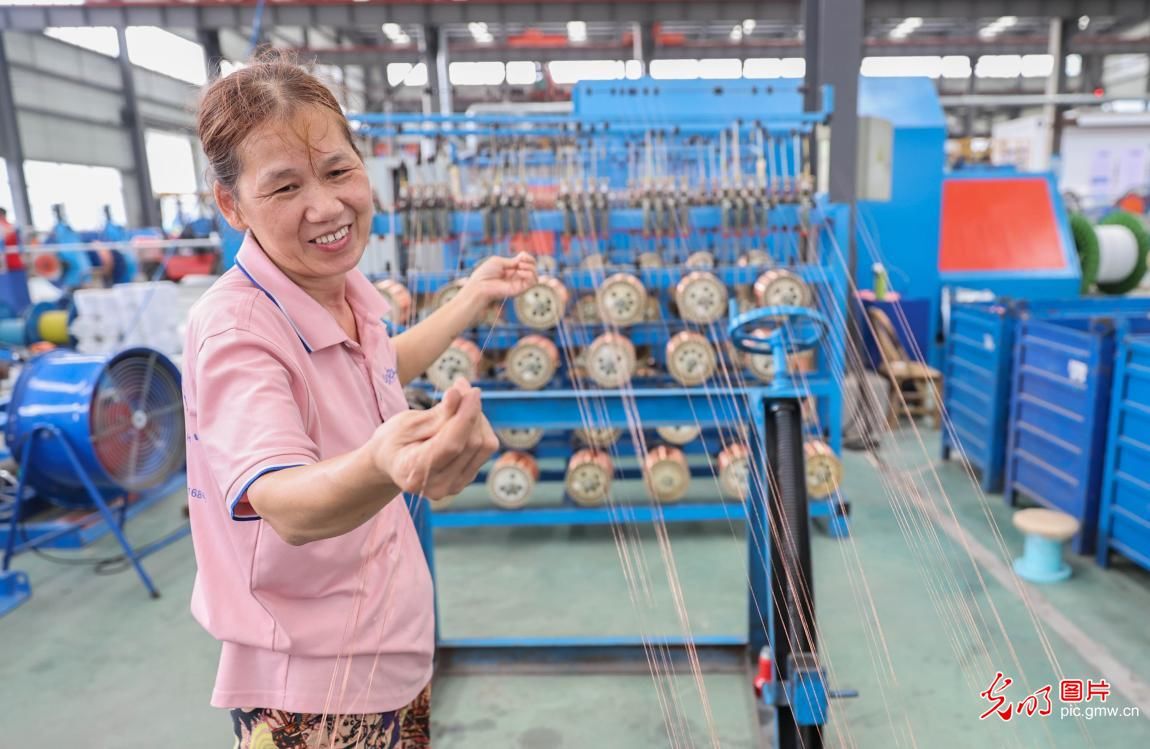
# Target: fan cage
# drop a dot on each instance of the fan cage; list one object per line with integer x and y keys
{"x": 136, "y": 421}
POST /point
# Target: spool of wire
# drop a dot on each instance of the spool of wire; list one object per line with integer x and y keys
{"x": 691, "y": 358}
{"x": 701, "y": 259}
{"x": 701, "y": 297}
{"x": 587, "y": 310}
{"x": 546, "y": 265}
{"x": 734, "y": 471}
{"x": 681, "y": 434}
{"x": 588, "y": 479}
{"x": 666, "y": 473}
{"x": 519, "y": 438}
{"x": 780, "y": 287}
{"x": 532, "y": 362}
{"x": 461, "y": 359}
{"x": 512, "y": 479}
{"x": 755, "y": 259}
{"x": 543, "y": 305}
{"x": 650, "y": 260}
{"x": 600, "y": 437}
{"x": 610, "y": 360}
{"x": 447, "y": 292}
{"x": 824, "y": 469}
{"x": 398, "y": 298}
{"x": 622, "y": 300}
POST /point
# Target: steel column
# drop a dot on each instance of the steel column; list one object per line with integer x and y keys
{"x": 812, "y": 11}
{"x": 10, "y": 146}
{"x": 435, "y": 57}
{"x": 644, "y": 45}
{"x": 209, "y": 39}
{"x": 149, "y": 209}
{"x": 1060, "y": 33}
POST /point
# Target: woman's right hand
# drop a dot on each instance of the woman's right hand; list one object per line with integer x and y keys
{"x": 435, "y": 453}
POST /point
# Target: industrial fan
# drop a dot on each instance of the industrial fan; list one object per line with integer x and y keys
{"x": 86, "y": 429}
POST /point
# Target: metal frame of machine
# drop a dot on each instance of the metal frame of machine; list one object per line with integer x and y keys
{"x": 613, "y": 121}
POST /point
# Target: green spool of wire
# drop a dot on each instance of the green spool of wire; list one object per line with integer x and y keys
{"x": 1086, "y": 241}
{"x": 1113, "y": 253}
{"x": 1115, "y": 233}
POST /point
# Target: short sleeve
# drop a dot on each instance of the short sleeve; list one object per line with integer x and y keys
{"x": 252, "y": 414}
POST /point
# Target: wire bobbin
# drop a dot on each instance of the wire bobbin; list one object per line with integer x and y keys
{"x": 755, "y": 259}
{"x": 782, "y": 288}
{"x": 587, "y": 310}
{"x": 691, "y": 359}
{"x": 512, "y": 479}
{"x": 735, "y": 470}
{"x": 588, "y": 479}
{"x": 610, "y": 360}
{"x": 681, "y": 434}
{"x": 461, "y": 359}
{"x": 447, "y": 292}
{"x": 622, "y": 300}
{"x": 650, "y": 260}
{"x": 398, "y": 298}
{"x": 451, "y": 290}
{"x": 532, "y": 362}
{"x": 666, "y": 473}
{"x": 546, "y": 265}
{"x": 654, "y": 310}
{"x": 518, "y": 438}
{"x": 824, "y": 469}
{"x": 701, "y": 297}
{"x": 543, "y": 305}
{"x": 762, "y": 366}
{"x": 702, "y": 259}
{"x": 598, "y": 436}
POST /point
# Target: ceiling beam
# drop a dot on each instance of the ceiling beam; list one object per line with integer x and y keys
{"x": 375, "y": 55}
{"x": 217, "y": 14}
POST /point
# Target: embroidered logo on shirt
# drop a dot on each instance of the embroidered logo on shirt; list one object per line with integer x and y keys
{"x": 389, "y": 376}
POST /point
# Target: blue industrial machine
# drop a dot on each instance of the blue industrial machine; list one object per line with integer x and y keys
{"x": 692, "y": 277}
{"x": 903, "y": 233}
{"x": 89, "y": 433}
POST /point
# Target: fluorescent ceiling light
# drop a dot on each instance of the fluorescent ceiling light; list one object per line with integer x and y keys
{"x": 906, "y": 28}
{"x": 748, "y": 25}
{"x": 395, "y": 34}
{"x": 577, "y": 31}
{"x": 480, "y": 33}
{"x": 997, "y": 27}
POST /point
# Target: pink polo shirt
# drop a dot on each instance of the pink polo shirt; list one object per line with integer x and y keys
{"x": 271, "y": 381}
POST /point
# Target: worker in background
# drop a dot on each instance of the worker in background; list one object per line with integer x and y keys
{"x": 300, "y": 441}
{"x": 8, "y": 236}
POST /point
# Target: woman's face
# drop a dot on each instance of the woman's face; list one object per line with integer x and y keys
{"x": 303, "y": 192}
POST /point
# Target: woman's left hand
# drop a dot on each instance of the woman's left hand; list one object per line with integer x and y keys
{"x": 499, "y": 278}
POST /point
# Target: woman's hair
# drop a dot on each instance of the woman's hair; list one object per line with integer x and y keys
{"x": 272, "y": 87}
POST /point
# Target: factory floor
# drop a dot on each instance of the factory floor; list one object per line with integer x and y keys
{"x": 917, "y": 611}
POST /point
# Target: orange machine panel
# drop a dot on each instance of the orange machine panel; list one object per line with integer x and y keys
{"x": 999, "y": 225}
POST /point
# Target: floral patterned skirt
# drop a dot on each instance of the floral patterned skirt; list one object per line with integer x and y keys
{"x": 406, "y": 728}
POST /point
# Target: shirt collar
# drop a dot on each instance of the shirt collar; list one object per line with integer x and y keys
{"x": 316, "y": 327}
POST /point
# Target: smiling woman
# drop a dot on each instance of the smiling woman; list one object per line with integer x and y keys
{"x": 293, "y": 395}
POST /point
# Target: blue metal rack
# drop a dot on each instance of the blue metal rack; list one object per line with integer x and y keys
{"x": 1124, "y": 515}
{"x": 1060, "y": 405}
{"x": 979, "y": 371}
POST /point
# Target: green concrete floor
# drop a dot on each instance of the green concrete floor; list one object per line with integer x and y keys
{"x": 905, "y": 616}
